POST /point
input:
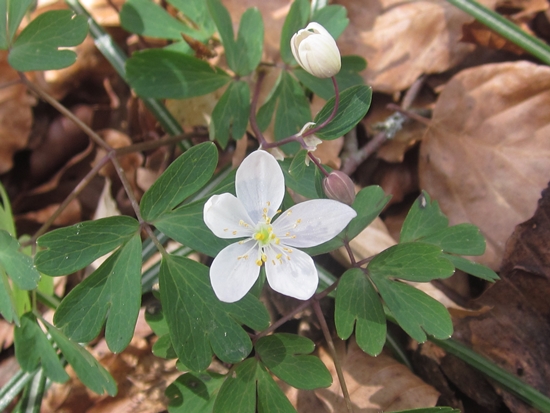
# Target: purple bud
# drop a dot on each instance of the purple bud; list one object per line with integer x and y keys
{"x": 338, "y": 186}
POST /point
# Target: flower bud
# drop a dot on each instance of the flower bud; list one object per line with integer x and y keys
{"x": 316, "y": 51}
{"x": 338, "y": 186}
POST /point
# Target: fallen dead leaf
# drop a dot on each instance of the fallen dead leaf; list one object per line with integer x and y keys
{"x": 402, "y": 40}
{"x": 514, "y": 334}
{"x": 477, "y": 33}
{"x": 375, "y": 384}
{"x": 486, "y": 157}
{"x": 15, "y": 114}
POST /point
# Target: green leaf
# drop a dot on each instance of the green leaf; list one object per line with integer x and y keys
{"x": 298, "y": 165}
{"x": 354, "y": 104}
{"x": 271, "y": 398}
{"x": 305, "y": 185}
{"x": 192, "y": 393}
{"x": 146, "y": 18}
{"x": 292, "y": 111}
{"x": 92, "y": 374}
{"x": 284, "y": 355}
{"x": 358, "y": 302}
{"x": 415, "y": 311}
{"x": 7, "y": 300}
{"x": 32, "y": 349}
{"x": 238, "y": 391}
{"x": 369, "y": 203}
{"x": 250, "y": 42}
{"x": 73, "y": 248}
{"x": 38, "y": 47}
{"x": 114, "y": 289}
{"x": 163, "y": 348}
{"x": 473, "y": 268}
{"x": 266, "y": 111}
{"x": 12, "y": 13}
{"x": 20, "y": 267}
{"x": 199, "y": 323}
{"x": 461, "y": 239}
{"x": 186, "y": 226}
{"x": 185, "y": 176}
{"x": 424, "y": 218}
{"x": 244, "y": 54}
{"x": 197, "y": 11}
{"x": 333, "y": 18}
{"x": 6, "y": 215}
{"x": 230, "y": 116}
{"x": 296, "y": 19}
{"x": 158, "y": 73}
{"x": 413, "y": 261}
{"x": 347, "y": 77}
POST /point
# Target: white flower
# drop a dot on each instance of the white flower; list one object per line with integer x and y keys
{"x": 260, "y": 190}
{"x": 316, "y": 51}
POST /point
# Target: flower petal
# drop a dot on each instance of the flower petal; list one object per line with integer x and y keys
{"x": 293, "y": 274}
{"x": 234, "y": 271}
{"x": 260, "y": 184}
{"x": 311, "y": 223}
{"x": 226, "y": 217}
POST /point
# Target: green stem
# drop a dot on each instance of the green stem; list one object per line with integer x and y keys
{"x": 505, "y": 28}
{"x": 114, "y": 54}
{"x": 507, "y": 380}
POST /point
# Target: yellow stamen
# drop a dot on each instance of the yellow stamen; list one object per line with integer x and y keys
{"x": 259, "y": 236}
{"x": 264, "y": 257}
{"x": 259, "y": 263}
{"x": 234, "y": 232}
{"x": 278, "y": 256}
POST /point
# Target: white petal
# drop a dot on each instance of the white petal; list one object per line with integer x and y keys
{"x": 226, "y": 217}
{"x": 293, "y": 274}
{"x": 320, "y": 56}
{"x": 311, "y": 223}
{"x": 260, "y": 184}
{"x": 234, "y": 271}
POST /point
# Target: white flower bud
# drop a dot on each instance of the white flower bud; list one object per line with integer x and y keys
{"x": 316, "y": 51}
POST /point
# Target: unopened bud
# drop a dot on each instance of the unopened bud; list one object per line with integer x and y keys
{"x": 338, "y": 186}
{"x": 315, "y": 50}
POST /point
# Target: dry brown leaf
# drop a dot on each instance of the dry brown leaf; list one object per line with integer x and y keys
{"x": 477, "y": 33}
{"x": 15, "y": 114}
{"x": 486, "y": 157}
{"x": 375, "y": 384}
{"x": 402, "y": 40}
{"x": 514, "y": 334}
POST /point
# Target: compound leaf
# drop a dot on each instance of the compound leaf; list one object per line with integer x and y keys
{"x": 73, "y": 248}
{"x": 114, "y": 289}
{"x": 38, "y": 47}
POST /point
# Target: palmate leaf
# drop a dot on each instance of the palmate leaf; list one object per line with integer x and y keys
{"x": 186, "y": 175}
{"x": 296, "y": 19}
{"x": 416, "y": 312}
{"x": 38, "y": 47}
{"x": 413, "y": 261}
{"x": 354, "y": 104}
{"x": 32, "y": 348}
{"x": 73, "y": 248}
{"x": 333, "y": 18}
{"x": 157, "y": 73}
{"x": 244, "y": 54}
{"x": 247, "y": 387}
{"x": 114, "y": 289}
{"x": 92, "y": 374}
{"x": 147, "y": 18}
{"x": 287, "y": 356}
{"x": 194, "y": 393}
{"x": 11, "y": 14}
{"x": 199, "y": 323}
{"x": 230, "y": 115}
{"x": 19, "y": 267}
{"x": 7, "y": 300}
{"x": 358, "y": 304}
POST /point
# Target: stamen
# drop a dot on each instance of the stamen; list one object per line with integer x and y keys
{"x": 277, "y": 241}
{"x": 268, "y": 203}
{"x": 289, "y": 212}
{"x": 234, "y": 232}
{"x": 259, "y": 236}
{"x": 226, "y": 229}
{"x": 259, "y": 263}
{"x": 264, "y": 257}
{"x": 278, "y": 256}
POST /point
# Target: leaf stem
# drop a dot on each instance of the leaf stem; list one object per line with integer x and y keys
{"x": 332, "y": 349}
{"x": 505, "y": 28}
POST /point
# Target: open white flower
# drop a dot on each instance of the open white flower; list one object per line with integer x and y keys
{"x": 260, "y": 190}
